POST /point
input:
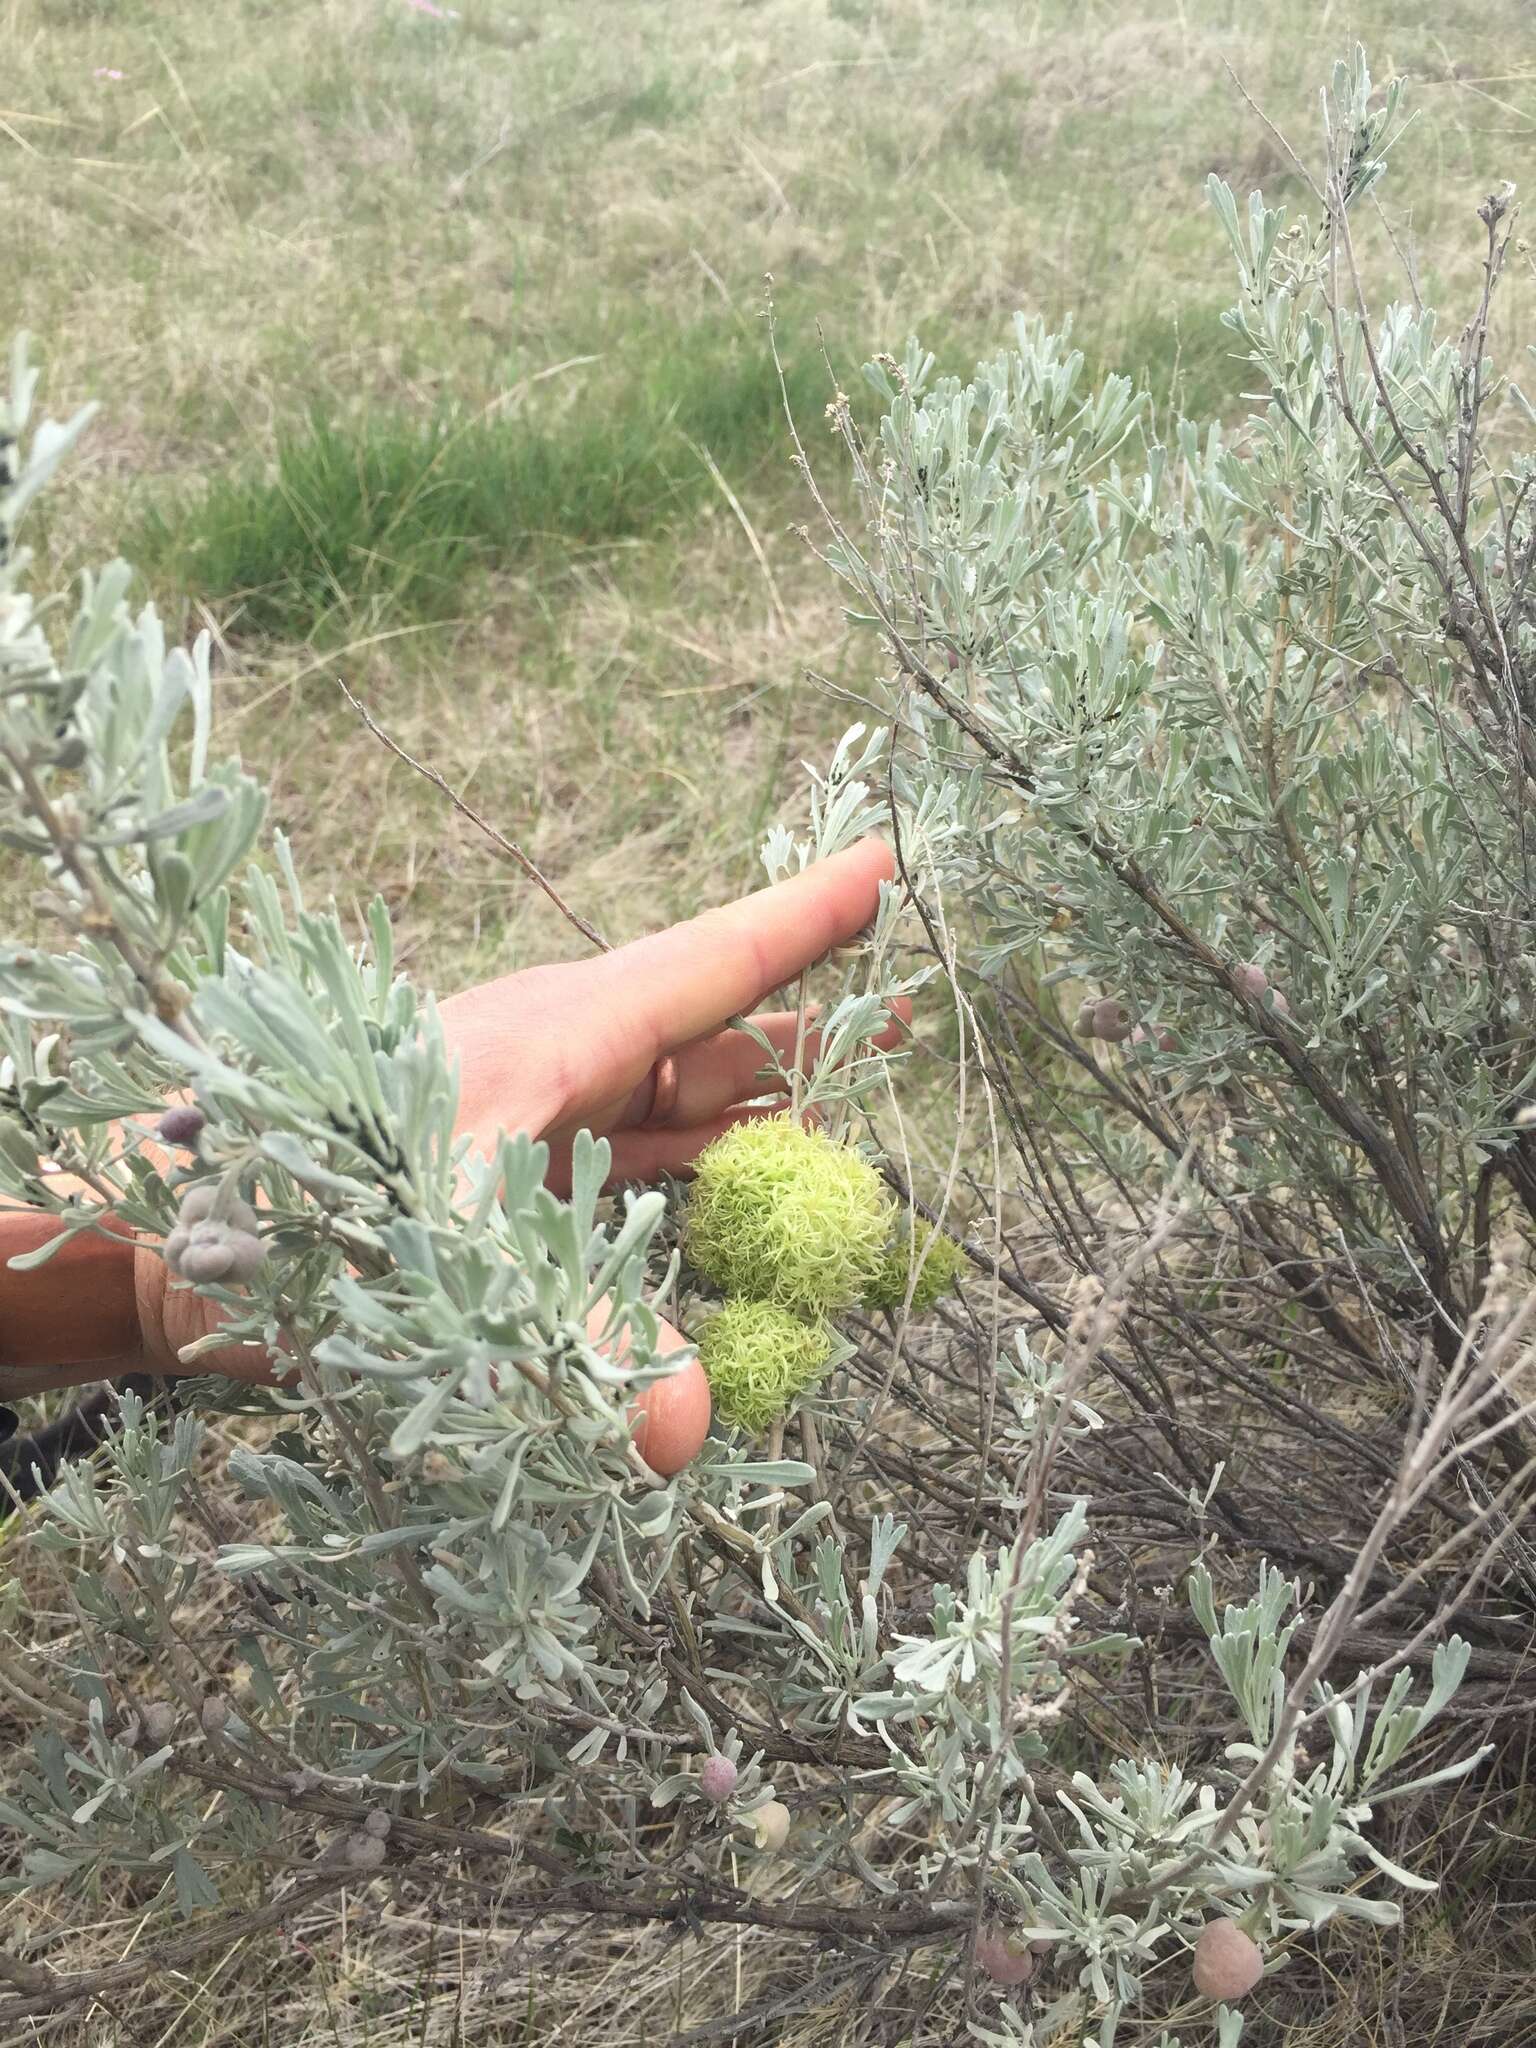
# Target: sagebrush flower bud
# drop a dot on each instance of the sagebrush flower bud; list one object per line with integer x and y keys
{"x": 181, "y": 1125}
{"x": 1003, "y": 1958}
{"x": 1111, "y": 1020}
{"x": 717, "y": 1780}
{"x": 1228, "y": 1963}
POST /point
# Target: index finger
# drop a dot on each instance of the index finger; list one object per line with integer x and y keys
{"x": 684, "y": 982}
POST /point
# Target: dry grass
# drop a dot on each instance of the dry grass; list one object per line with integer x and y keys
{"x": 350, "y": 205}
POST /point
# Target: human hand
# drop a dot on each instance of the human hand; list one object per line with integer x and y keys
{"x": 556, "y": 1050}
{"x": 548, "y": 1050}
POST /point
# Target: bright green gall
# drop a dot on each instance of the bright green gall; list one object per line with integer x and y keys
{"x": 936, "y": 1260}
{"x": 758, "y": 1358}
{"x": 785, "y": 1215}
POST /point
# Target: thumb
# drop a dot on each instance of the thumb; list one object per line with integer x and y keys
{"x": 173, "y": 1317}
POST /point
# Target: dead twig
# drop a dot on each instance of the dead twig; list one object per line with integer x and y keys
{"x": 508, "y": 848}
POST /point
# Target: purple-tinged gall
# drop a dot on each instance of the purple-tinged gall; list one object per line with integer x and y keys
{"x": 1111, "y": 1020}
{"x": 247, "y": 1253}
{"x": 717, "y": 1780}
{"x": 1277, "y": 1000}
{"x": 1252, "y": 980}
{"x": 198, "y": 1203}
{"x": 207, "y": 1255}
{"x": 182, "y": 1125}
{"x": 1228, "y": 1963}
{"x": 1004, "y": 1960}
{"x": 207, "y": 1246}
{"x": 1166, "y": 1041}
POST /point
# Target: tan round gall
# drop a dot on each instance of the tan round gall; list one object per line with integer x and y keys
{"x": 365, "y": 1851}
{"x": 159, "y": 1723}
{"x": 771, "y": 1824}
{"x": 1112, "y": 1020}
{"x": 1228, "y": 1963}
{"x": 671, "y": 1418}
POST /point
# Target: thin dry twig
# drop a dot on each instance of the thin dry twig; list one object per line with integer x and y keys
{"x": 508, "y": 848}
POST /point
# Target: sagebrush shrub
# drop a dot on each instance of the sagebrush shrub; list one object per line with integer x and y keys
{"x": 1224, "y": 744}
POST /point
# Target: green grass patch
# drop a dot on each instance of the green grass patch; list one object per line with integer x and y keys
{"x": 1187, "y": 360}
{"x": 380, "y": 516}
{"x": 383, "y": 515}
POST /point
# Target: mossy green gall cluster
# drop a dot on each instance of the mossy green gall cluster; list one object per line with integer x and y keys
{"x": 758, "y": 1359}
{"x": 786, "y": 1216}
{"x": 922, "y": 1258}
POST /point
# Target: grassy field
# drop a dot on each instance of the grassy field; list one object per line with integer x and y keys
{"x": 433, "y": 357}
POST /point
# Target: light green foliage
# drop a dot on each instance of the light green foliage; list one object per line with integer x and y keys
{"x": 759, "y": 1359}
{"x": 920, "y": 1266}
{"x": 1230, "y": 729}
{"x": 482, "y": 1417}
{"x": 782, "y": 1213}
{"x": 1243, "y": 698}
